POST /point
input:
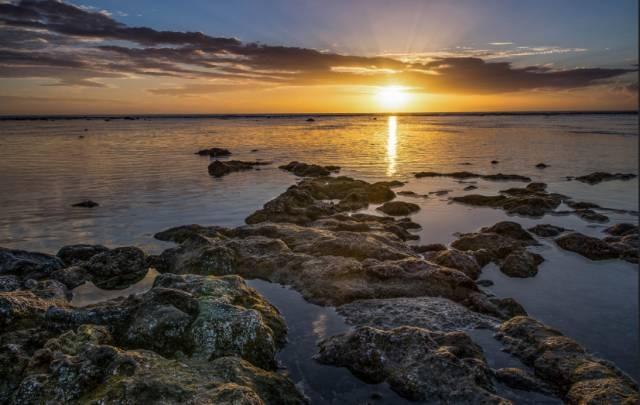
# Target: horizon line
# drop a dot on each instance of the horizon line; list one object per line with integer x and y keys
{"x": 9, "y": 117}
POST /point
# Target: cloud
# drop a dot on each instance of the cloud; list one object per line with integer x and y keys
{"x": 76, "y": 46}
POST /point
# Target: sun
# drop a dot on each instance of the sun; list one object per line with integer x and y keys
{"x": 392, "y": 97}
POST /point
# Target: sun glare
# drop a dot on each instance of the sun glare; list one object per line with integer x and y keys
{"x": 392, "y": 97}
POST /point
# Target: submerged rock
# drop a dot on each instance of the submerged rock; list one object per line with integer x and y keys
{"x": 418, "y": 364}
{"x": 470, "y": 175}
{"x": 214, "y": 152}
{"x": 399, "y": 208}
{"x": 309, "y": 170}
{"x": 622, "y": 229}
{"x": 218, "y": 168}
{"x": 412, "y": 194}
{"x": 579, "y": 377}
{"x": 598, "y": 177}
{"x": 542, "y": 165}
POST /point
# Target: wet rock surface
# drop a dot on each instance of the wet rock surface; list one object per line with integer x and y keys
{"x": 503, "y": 244}
{"x": 599, "y": 177}
{"x": 309, "y": 170}
{"x": 219, "y": 168}
{"x": 559, "y": 361}
{"x": 470, "y": 175}
{"x": 307, "y": 201}
{"x": 613, "y": 247}
{"x": 418, "y": 364}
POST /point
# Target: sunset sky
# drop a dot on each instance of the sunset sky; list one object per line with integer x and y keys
{"x": 255, "y": 56}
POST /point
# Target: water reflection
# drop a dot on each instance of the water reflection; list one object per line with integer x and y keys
{"x": 392, "y": 141}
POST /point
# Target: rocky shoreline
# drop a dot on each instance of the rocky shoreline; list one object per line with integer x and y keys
{"x": 201, "y": 335}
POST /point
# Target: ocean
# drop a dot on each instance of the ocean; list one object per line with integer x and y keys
{"x": 146, "y": 178}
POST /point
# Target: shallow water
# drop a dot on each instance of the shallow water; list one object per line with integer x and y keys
{"x": 146, "y": 178}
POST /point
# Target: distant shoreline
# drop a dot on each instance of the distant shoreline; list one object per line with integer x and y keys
{"x": 133, "y": 117}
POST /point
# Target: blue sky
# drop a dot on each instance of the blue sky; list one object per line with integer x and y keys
{"x": 607, "y": 29}
{"x": 264, "y": 56}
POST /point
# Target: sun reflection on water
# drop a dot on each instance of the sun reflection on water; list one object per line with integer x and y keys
{"x": 392, "y": 140}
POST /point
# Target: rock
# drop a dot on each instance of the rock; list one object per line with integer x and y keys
{"x": 306, "y": 201}
{"x": 390, "y": 184}
{"x": 494, "y": 162}
{"x": 470, "y": 187}
{"x": 532, "y": 201}
{"x": 309, "y": 170}
{"x": 23, "y": 309}
{"x": 542, "y": 166}
{"x": 117, "y": 268}
{"x": 440, "y": 192}
{"x": 218, "y": 168}
{"x": 83, "y": 366}
{"x": 399, "y": 208}
{"x": 521, "y": 263}
{"x": 458, "y": 260}
{"x": 469, "y": 175}
{"x": 546, "y": 230}
{"x": 86, "y": 204}
{"x": 591, "y": 215}
{"x": 581, "y": 205}
{"x": 9, "y": 283}
{"x": 622, "y": 229}
{"x": 559, "y": 361}
{"x": 183, "y": 233}
{"x": 418, "y": 364}
{"x": 587, "y": 246}
{"x": 521, "y": 380}
{"x": 214, "y": 152}
{"x": 510, "y": 229}
{"x": 432, "y": 313}
{"x": 200, "y": 317}
{"x": 434, "y": 247}
{"x": 27, "y": 265}
{"x": 484, "y": 283}
{"x": 598, "y": 177}
{"x": 74, "y": 254}
{"x": 412, "y": 194}
{"x": 498, "y": 240}
{"x": 72, "y": 277}
{"x": 310, "y": 120}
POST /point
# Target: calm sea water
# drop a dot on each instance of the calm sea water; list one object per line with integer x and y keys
{"x": 146, "y": 178}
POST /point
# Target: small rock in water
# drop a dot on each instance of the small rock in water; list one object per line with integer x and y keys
{"x": 471, "y": 187}
{"x": 542, "y": 166}
{"x": 494, "y": 162}
{"x": 440, "y": 192}
{"x": 399, "y": 208}
{"x": 302, "y": 169}
{"x": 86, "y": 204}
{"x": 310, "y": 120}
{"x": 598, "y": 177}
{"x": 546, "y": 230}
{"x": 213, "y": 152}
{"x": 219, "y": 169}
{"x": 484, "y": 283}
